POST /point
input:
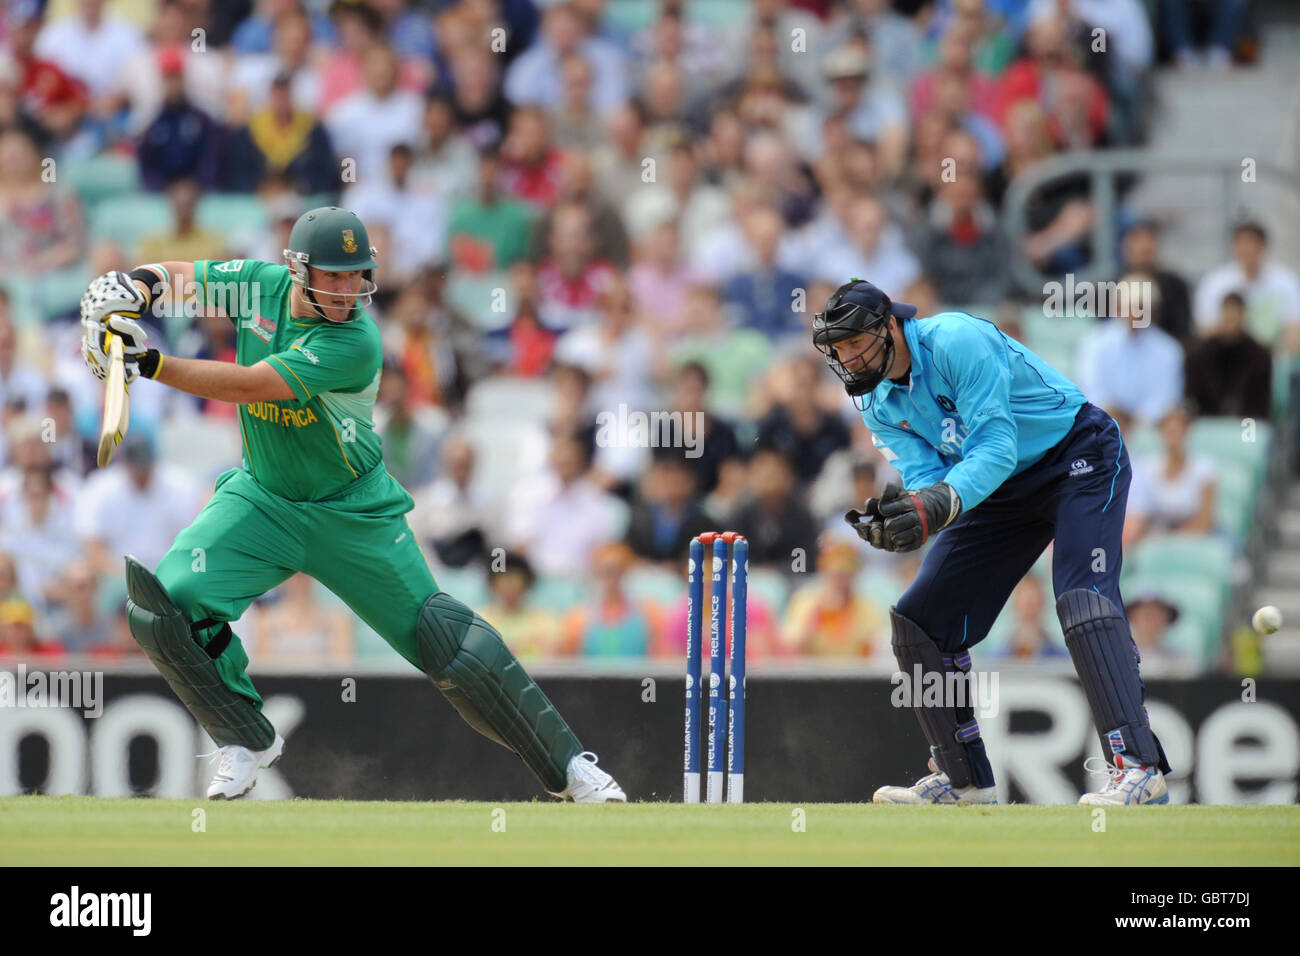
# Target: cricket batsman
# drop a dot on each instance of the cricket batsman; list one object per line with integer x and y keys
{"x": 1002, "y": 454}
{"x": 312, "y": 496}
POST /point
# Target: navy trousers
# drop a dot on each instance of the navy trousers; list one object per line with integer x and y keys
{"x": 1076, "y": 493}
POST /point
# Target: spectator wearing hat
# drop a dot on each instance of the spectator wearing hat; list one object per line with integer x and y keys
{"x": 281, "y": 139}
{"x": 181, "y": 141}
{"x": 18, "y": 637}
{"x": 1149, "y": 617}
{"x": 1271, "y": 291}
{"x": 826, "y": 617}
{"x": 874, "y": 111}
{"x": 1228, "y": 371}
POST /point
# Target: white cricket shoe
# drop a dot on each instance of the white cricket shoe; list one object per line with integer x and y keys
{"x": 237, "y": 772}
{"x": 936, "y": 788}
{"x": 589, "y": 784}
{"x": 1125, "y": 785}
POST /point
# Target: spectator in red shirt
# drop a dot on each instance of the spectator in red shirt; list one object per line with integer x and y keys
{"x": 1075, "y": 104}
{"x": 531, "y": 166}
{"x": 572, "y": 276}
{"x": 47, "y": 91}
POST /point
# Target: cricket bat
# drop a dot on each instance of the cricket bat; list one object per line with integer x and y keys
{"x": 117, "y": 408}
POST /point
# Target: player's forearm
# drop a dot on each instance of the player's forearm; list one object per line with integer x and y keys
{"x": 222, "y": 381}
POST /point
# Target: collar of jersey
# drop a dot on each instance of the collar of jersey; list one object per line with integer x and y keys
{"x": 887, "y": 386}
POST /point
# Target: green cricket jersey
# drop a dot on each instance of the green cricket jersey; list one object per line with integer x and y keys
{"x": 312, "y": 447}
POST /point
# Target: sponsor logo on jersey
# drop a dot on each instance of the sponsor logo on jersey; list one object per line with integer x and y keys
{"x": 349, "y": 244}
{"x": 905, "y": 424}
{"x": 946, "y": 403}
{"x": 1079, "y": 467}
{"x": 307, "y": 353}
{"x": 262, "y": 327}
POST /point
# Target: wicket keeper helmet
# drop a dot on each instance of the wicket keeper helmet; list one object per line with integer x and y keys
{"x": 334, "y": 240}
{"x": 858, "y": 308}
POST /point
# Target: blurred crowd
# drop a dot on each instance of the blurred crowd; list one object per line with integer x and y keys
{"x": 583, "y": 207}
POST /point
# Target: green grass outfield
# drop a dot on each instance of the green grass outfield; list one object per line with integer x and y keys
{"x": 91, "y": 831}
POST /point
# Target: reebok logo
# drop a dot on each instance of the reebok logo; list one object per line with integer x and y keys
{"x": 1079, "y": 467}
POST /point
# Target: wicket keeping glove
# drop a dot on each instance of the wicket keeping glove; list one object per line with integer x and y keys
{"x": 872, "y": 530}
{"x": 912, "y": 517}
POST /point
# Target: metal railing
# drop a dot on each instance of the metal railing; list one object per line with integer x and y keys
{"x": 1102, "y": 168}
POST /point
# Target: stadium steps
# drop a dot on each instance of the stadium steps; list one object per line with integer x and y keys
{"x": 1251, "y": 111}
{"x": 1281, "y": 587}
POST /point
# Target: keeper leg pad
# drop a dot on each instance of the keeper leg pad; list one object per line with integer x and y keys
{"x": 166, "y": 635}
{"x": 952, "y": 731}
{"x": 1106, "y": 660}
{"x": 465, "y": 656}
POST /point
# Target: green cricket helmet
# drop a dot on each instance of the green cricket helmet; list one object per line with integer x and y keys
{"x": 334, "y": 240}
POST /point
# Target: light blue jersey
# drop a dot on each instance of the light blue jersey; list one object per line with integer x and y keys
{"x": 978, "y": 407}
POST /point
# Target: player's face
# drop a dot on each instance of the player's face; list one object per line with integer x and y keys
{"x": 860, "y": 353}
{"x": 336, "y": 292}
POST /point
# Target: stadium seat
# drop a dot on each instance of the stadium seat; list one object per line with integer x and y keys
{"x": 654, "y": 585}
{"x": 1202, "y": 555}
{"x": 559, "y": 594}
{"x": 505, "y": 450}
{"x": 467, "y": 585}
{"x": 228, "y": 213}
{"x": 472, "y": 296}
{"x": 203, "y": 446}
{"x": 59, "y": 293}
{"x": 524, "y": 399}
{"x": 128, "y": 219}
{"x": 1224, "y": 441}
{"x": 97, "y": 178}
{"x": 768, "y": 586}
{"x": 1234, "y": 503}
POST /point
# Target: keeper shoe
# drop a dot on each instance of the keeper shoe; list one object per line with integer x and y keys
{"x": 589, "y": 784}
{"x": 237, "y": 772}
{"x": 1125, "y": 786}
{"x": 936, "y": 788}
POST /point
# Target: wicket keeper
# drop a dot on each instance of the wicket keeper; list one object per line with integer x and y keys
{"x": 1002, "y": 455}
{"x": 312, "y": 496}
